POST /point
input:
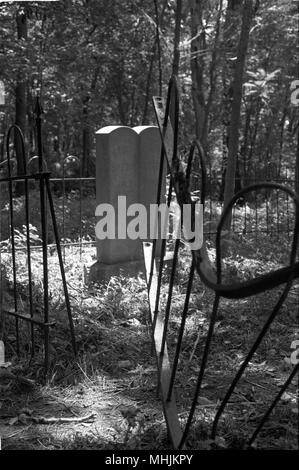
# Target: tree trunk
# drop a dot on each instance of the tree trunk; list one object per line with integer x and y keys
{"x": 233, "y": 138}
{"x": 229, "y": 46}
{"x": 85, "y": 141}
{"x": 213, "y": 77}
{"x": 177, "y": 35}
{"x": 198, "y": 44}
{"x": 151, "y": 66}
{"x": 246, "y": 163}
{"x": 20, "y": 96}
{"x": 254, "y": 134}
{"x": 86, "y": 138}
{"x": 281, "y": 138}
{"x": 297, "y": 164}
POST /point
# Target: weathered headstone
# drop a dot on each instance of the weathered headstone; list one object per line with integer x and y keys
{"x": 117, "y": 175}
{"x": 127, "y": 164}
{"x": 149, "y": 151}
{"x": 149, "y": 148}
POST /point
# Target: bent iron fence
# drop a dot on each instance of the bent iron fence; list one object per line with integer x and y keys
{"x": 201, "y": 266}
{"x": 29, "y": 314}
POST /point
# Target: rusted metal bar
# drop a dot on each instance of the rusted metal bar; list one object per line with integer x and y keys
{"x": 201, "y": 371}
{"x": 62, "y": 271}
{"x": 169, "y": 406}
{"x": 44, "y": 230}
{"x": 169, "y": 299}
{"x": 181, "y": 332}
{"x": 161, "y": 264}
{"x": 158, "y": 200}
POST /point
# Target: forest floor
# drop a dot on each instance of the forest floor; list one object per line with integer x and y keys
{"x": 106, "y": 397}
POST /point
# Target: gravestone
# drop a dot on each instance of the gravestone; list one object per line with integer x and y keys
{"x": 127, "y": 164}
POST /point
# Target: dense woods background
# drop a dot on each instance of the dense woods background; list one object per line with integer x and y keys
{"x": 98, "y": 62}
{"x": 95, "y": 63}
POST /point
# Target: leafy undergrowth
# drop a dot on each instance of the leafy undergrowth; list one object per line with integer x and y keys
{"x": 106, "y": 397}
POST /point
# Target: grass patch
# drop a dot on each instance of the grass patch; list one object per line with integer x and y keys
{"x": 114, "y": 375}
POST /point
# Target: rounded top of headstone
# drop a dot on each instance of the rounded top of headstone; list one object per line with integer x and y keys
{"x": 111, "y": 129}
{"x": 139, "y": 129}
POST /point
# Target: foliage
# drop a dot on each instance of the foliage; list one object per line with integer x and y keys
{"x": 90, "y": 60}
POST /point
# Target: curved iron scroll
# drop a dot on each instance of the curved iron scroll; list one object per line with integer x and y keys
{"x": 167, "y": 115}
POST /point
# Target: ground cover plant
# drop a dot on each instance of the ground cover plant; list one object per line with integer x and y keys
{"x": 106, "y": 398}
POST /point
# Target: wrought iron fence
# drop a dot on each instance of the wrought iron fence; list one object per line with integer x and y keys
{"x": 20, "y": 243}
{"x": 253, "y": 213}
{"x": 201, "y": 268}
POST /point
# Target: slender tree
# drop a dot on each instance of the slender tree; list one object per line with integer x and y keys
{"x": 229, "y": 46}
{"x": 235, "y": 119}
{"x": 198, "y": 45}
{"x": 20, "y": 92}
